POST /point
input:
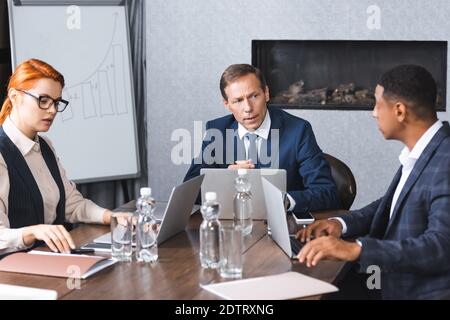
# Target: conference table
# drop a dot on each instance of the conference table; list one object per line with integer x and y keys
{"x": 177, "y": 274}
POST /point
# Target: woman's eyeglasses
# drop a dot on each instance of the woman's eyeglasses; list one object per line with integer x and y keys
{"x": 45, "y": 102}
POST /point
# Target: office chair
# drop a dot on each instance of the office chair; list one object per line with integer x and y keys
{"x": 344, "y": 179}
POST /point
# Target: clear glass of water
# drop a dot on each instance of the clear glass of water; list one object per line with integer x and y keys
{"x": 121, "y": 236}
{"x": 231, "y": 244}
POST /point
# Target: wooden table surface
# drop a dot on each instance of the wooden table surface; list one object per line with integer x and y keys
{"x": 177, "y": 274}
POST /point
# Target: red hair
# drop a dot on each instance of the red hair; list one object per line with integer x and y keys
{"x": 24, "y": 78}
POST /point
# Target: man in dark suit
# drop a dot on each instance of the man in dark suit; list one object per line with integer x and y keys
{"x": 406, "y": 233}
{"x": 255, "y": 136}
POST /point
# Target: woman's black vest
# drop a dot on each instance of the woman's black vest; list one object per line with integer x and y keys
{"x": 25, "y": 205}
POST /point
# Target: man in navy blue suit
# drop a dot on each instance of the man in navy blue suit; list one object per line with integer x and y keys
{"x": 255, "y": 136}
{"x": 406, "y": 233}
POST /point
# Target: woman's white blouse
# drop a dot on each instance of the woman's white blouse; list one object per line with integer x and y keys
{"x": 78, "y": 209}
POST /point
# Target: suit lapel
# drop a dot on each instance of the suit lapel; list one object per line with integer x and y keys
{"x": 266, "y": 146}
{"x": 420, "y": 165}
{"x": 381, "y": 219}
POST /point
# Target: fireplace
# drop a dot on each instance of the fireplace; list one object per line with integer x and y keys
{"x": 341, "y": 74}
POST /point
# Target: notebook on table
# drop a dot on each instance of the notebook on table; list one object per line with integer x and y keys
{"x": 288, "y": 285}
{"x": 55, "y": 264}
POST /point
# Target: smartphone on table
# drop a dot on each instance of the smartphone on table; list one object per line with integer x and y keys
{"x": 303, "y": 218}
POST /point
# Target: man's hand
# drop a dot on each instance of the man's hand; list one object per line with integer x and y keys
{"x": 242, "y": 164}
{"x": 320, "y": 228}
{"x": 55, "y": 236}
{"x": 330, "y": 248}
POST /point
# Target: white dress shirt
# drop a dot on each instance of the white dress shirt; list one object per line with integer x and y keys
{"x": 263, "y": 133}
{"x": 407, "y": 159}
{"x": 77, "y": 208}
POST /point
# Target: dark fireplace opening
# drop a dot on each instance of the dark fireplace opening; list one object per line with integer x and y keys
{"x": 341, "y": 74}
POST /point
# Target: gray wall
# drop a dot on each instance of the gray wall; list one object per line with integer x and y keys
{"x": 190, "y": 43}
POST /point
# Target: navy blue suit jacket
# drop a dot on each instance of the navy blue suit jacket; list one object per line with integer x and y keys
{"x": 309, "y": 180}
{"x": 412, "y": 248}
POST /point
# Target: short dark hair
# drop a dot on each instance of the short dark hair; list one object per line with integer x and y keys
{"x": 236, "y": 71}
{"x": 415, "y": 85}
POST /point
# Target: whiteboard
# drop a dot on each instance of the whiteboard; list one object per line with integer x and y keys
{"x": 95, "y": 137}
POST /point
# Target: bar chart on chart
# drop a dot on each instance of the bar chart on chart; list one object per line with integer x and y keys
{"x": 103, "y": 93}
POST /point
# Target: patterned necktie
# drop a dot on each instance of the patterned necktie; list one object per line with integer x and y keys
{"x": 252, "y": 148}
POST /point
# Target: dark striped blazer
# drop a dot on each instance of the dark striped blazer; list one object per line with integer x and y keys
{"x": 412, "y": 248}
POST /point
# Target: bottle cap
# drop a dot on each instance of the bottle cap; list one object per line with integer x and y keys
{"x": 242, "y": 172}
{"x": 146, "y": 192}
{"x": 210, "y": 196}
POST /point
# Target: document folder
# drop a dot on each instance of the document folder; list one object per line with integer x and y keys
{"x": 55, "y": 264}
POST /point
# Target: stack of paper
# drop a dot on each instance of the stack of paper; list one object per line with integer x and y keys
{"x": 289, "y": 285}
{"x": 9, "y": 292}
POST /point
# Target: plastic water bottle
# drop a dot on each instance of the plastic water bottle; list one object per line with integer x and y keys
{"x": 209, "y": 232}
{"x": 243, "y": 207}
{"x": 146, "y": 228}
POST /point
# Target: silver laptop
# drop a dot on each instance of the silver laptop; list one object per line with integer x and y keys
{"x": 174, "y": 216}
{"x": 221, "y": 181}
{"x": 277, "y": 220}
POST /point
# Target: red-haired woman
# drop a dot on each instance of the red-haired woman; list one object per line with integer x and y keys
{"x": 36, "y": 197}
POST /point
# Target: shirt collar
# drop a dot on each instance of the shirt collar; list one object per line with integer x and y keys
{"x": 420, "y": 145}
{"x": 22, "y": 142}
{"x": 262, "y": 131}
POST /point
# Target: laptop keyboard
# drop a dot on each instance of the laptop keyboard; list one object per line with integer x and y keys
{"x": 296, "y": 245}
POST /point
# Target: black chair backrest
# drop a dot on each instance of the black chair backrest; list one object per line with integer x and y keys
{"x": 344, "y": 179}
